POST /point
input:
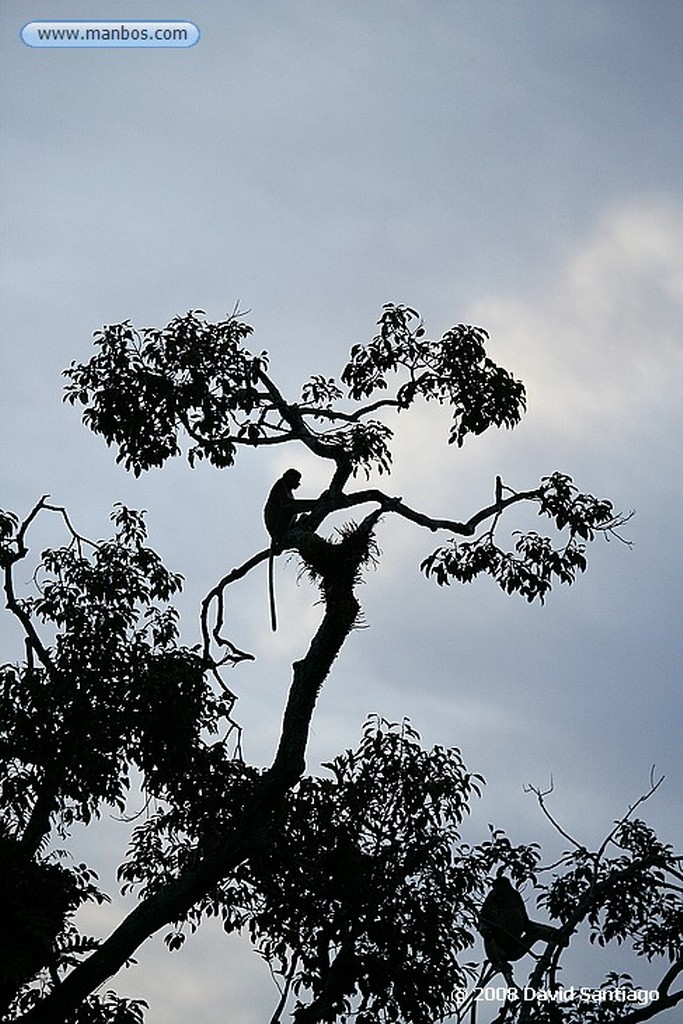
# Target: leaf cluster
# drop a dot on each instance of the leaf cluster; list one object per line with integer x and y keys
{"x": 144, "y": 389}
{"x": 172, "y": 839}
{"x": 627, "y": 896}
{"x": 359, "y": 899}
{"x": 143, "y": 386}
{"x": 454, "y": 371}
{"x": 36, "y": 897}
{"x": 536, "y": 562}
{"x": 111, "y": 688}
{"x": 108, "y": 1008}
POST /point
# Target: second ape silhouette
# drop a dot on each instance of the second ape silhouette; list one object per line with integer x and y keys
{"x": 506, "y": 928}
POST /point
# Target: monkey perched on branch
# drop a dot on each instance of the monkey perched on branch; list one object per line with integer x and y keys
{"x": 279, "y": 515}
{"x": 279, "y": 512}
{"x": 506, "y": 928}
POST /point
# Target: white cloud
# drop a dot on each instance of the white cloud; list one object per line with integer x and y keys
{"x": 600, "y": 347}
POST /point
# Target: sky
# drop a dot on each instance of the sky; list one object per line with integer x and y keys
{"x": 510, "y": 164}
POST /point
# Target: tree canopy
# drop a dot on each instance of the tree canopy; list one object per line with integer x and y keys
{"x": 356, "y": 887}
{"x": 149, "y": 391}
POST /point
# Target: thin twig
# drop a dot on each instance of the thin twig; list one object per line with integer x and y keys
{"x": 540, "y": 796}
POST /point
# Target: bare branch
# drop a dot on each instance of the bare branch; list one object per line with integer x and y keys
{"x": 540, "y": 796}
{"x": 34, "y": 645}
{"x": 654, "y": 786}
{"x": 77, "y": 537}
{"x": 284, "y": 990}
{"x": 396, "y": 505}
{"x": 233, "y": 655}
{"x": 41, "y": 505}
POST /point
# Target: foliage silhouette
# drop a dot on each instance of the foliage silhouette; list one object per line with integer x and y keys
{"x": 339, "y": 881}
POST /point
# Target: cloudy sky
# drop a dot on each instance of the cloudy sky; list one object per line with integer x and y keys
{"x": 509, "y": 163}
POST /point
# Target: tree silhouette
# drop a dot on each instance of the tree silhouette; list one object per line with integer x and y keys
{"x": 106, "y": 688}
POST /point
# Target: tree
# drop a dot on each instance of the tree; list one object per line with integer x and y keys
{"x": 106, "y": 688}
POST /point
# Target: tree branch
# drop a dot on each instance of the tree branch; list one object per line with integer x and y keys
{"x": 540, "y": 797}
{"x": 351, "y": 417}
{"x": 34, "y": 643}
{"x": 564, "y": 933}
{"x": 234, "y": 655}
{"x": 654, "y": 786}
{"x": 340, "y": 501}
{"x": 292, "y": 415}
{"x": 666, "y": 999}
